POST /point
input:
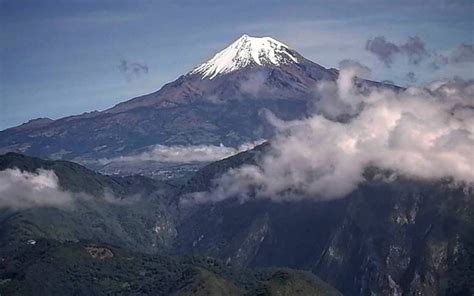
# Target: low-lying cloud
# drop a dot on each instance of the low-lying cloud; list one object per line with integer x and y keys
{"x": 331, "y": 97}
{"x": 40, "y": 189}
{"x": 362, "y": 70}
{"x": 185, "y": 154}
{"x": 423, "y": 133}
{"x": 20, "y": 190}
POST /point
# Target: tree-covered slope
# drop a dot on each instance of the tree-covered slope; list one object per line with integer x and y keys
{"x": 53, "y": 268}
{"x": 132, "y": 212}
{"x": 389, "y": 236}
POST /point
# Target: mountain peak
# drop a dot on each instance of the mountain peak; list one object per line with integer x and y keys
{"x": 244, "y": 52}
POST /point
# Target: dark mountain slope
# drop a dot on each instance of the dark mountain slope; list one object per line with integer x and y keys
{"x": 104, "y": 245}
{"x": 133, "y": 212}
{"x": 53, "y": 268}
{"x": 386, "y": 238}
{"x": 113, "y": 134}
{"x": 76, "y": 178}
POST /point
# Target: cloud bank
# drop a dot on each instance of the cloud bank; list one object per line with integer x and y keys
{"x": 185, "y": 154}
{"x": 21, "y": 190}
{"x": 423, "y": 133}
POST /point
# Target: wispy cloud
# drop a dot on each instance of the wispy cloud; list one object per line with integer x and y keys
{"x": 361, "y": 70}
{"x": 410, "y": 77}
{"x": 132, "y": 69}
{"x": 20, "y": 190}
{"x": 415, "y": 50}
{"x": 386, "y": 51}
{"x": 185, "y": 154}
{"x": 464, "y": 53}
{"x": 40, "y": 189}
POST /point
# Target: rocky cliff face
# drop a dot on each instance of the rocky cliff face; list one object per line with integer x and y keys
{"x": 402, "y": 238}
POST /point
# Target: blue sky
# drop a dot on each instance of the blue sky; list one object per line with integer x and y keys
{"x": 60, "y": 58}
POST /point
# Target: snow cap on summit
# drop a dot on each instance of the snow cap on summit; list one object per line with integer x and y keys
{"x": 247, "y": 51}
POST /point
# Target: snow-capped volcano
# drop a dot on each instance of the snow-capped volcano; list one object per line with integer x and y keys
{"x": 247, "y": 51}
{"x": 220, "y": 101}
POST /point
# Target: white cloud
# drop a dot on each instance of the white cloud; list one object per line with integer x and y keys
{"x": 420, "y": 132}
{"x": 185, "y": 154}
{"x": 41, "y": 189}
{"x": 20, "y": 190}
